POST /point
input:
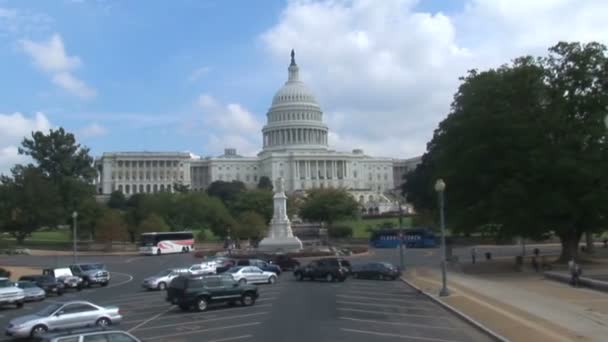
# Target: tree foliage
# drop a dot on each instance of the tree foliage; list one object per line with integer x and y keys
{"x": 251, "y": 225}
{"x": 110, "y": 227}
{"x": 265, "y": 183}
{"x": 28, "y": 201}
{"x": 524, "y": 148}
{"x": 153, "y": 223}
{"x": 257, "y": 200}
{"x": 329, "y": 205}
{"x": 117, "y": 200}
{"x": 226, "y": 191}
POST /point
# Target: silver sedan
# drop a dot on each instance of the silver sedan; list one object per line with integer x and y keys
{"x": 31, "y": 290}
{"x": 76, "y": 314}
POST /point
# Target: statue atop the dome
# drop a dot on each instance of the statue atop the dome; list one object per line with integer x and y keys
{"x": 293, "y": 57}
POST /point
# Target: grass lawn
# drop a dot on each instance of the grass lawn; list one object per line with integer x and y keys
{"x": 52, "y": 235}
{"x": 359, "y": 226}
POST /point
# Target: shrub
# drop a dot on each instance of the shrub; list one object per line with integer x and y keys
{"x": 340, "y": 231}
{"x": 4, "y": 273}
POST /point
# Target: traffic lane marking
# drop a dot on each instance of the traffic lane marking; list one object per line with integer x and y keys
{"x": 393, "y": 300}
{"x": 401, "y": 336}
{"x": 203, "y": 331}
{"x": 394, "y": 313}
{"x": 212, "y": 312}
{"x": 130, "y": 279}
{"x": 149, "y": 319}
{"x": 387, "y": 306}
{"x": 197, "y": 322}
{"x": 405, "y": 324}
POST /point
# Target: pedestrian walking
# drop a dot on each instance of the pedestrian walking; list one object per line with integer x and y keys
{"x": 535, "y": 264}
{"x": 536, "y": 252}
{"x": 473, "y": 254}
{"x": 575, "y": 272}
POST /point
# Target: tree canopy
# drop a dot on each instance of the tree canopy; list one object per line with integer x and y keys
{"x": 257, "y": 200}
{"x": 226, "y": 191}
{"x": 117, "y": 200}
{"x": 524, "y": 148}
{"x": 328, "y": 205}
{"x": 265, "y": 183}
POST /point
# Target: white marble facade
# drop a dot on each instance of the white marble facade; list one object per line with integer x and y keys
{"x": 295, "y": 148}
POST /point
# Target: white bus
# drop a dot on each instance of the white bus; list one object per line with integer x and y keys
{"x": 165, "y": 243}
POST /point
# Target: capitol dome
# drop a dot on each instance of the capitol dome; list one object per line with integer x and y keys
{"x": 295, "y": 119}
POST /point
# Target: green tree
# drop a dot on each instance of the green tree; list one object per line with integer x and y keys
{"x": 111, "y": 227}
{"x": 66, "y": 163}
{"x": 28, "y": 201}
{"x": 89, "y": 211}
{"x": 117, "y": 200}
{"x": 523, "y": 149}
{"x": 329, "y": 205}
{"x": 265, "y": 183}
{"x": 258, "y": 200}
{"x": 153, "y": 223}
{"x": 182, "y": 188}
{"x": 251, "y": 225}
{"x": 226, "y": 191}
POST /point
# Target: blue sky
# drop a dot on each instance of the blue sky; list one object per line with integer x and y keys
{"x": 130, "y": 75}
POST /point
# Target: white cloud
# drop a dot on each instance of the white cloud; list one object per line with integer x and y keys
{"x": 198, "y": 73}
{"x": 13, "y": 128}
{"x": 229, "y": 125}
{"x": 51, "y": 57}
{"x": 385, "y": 73}
{"x": 93, "y": 130}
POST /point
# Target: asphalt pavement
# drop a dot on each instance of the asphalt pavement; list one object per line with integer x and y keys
{"x": 356, "y": 310}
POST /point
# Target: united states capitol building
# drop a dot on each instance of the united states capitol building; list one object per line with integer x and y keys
{"x": 295, "y": 147}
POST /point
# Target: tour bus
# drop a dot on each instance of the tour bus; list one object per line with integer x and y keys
{"x": 412, "y": 238}
{"x": 164, "y": 243}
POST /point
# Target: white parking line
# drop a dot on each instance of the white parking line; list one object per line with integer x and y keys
{"x": 397, "y": 335}
{"x": 397, "y": 323}
{"x": 384, "y": 294}
{"x": 204, "y": 321}
{"x": 204, "y": 330}
{"x": 121, "y": 283}
{"x": 394, "y": 300}
{"x": 385, "y": 306}
{"x": 232, "y": 338}
{"x": 266, "y": 299}
{"x": 183, "y": 315}
{"x": 393, "y": 313}
{"x": 150, "y": 319}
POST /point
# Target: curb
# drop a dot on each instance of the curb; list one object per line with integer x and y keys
{"x": 591, "y": 283}
{"x": 477, "y": 325}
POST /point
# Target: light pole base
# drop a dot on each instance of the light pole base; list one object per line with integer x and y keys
{"x": 444, "y": 292}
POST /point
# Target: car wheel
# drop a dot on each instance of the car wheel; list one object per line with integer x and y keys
{"x": 103, "y": 322}
{"x": 247, "y": 299}
{"x": 104, "y": 284}
{"x": 187, "y": 249}
{"x": 38, "y": 330}
{"x": 272, "y": 280}
{"x": 161, "y": 286}
{"x": 201, "y": 304}
{"x": 355, "y": 275}
{"x": 329, "y": 277}
{"x": 243, "y": 281}
{"x": 158, "y": 252}
{"x": 85, "y": 283}
{"x": 19, "y": 305}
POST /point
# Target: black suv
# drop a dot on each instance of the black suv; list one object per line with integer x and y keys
{"x": 330, "y": 269}
{"x": 198, "y": 292}
{"x": 46, "y": 282}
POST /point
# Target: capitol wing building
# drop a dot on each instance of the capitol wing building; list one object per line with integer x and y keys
{"x": 295, "y": 147}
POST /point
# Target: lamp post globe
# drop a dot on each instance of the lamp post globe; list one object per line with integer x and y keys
{"x": 440, "y": 189}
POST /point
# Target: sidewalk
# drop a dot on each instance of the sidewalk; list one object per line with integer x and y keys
{"x": 523, "y": 306}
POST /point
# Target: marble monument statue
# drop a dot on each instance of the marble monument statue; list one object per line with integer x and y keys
{"x": 280, "y": 236}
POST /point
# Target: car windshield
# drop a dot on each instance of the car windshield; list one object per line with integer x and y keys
{"x": 5, "y": 283}
{"x": 163, "y": 273}
{"x": 234, "y": 269}
{"x": 47, "y": 311}
{"x": 91, "y": 267}
{"x": 26, "y": 284}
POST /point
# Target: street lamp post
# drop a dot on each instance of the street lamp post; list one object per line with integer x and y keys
{"x": 74, "y": 233}
{"x": 440, "y": 188}
{"x": 402, "y": 237}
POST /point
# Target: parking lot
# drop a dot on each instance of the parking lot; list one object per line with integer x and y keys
{"x": 356, "y": 310}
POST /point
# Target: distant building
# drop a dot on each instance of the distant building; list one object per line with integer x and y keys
{"x": 295, "y": 147}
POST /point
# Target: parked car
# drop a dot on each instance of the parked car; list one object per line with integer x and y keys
{"x": 46, "y": 282}
{"x": 285, "y": 262}
{"x": 10, "y": 294}
{"x": 252, "y": 274}
{"x": 162, "y": 279}
{"x": 89, "y": 334}
{"x": 330, "y": 269}
{"x": 91, "y": 273}
{"x": 375, "y": 270}
{"x": 199, "y": 292}
{"x": 204, "y": 268}
{"x": 65, "y": 276}
{"x": 31, "y": 291}
{"x": 225, "y": 264}
{"x": 60, "y": 316}
{"x": 263, "y": 265}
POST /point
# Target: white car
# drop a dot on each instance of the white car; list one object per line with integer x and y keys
{"x": 161, "y": 280}
{"x": 252, "y": 275}
{"x": 204, "y": 268}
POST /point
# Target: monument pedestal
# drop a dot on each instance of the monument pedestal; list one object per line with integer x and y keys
{"x": 280, "y": 236}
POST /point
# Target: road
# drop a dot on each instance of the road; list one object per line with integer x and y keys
{"x": 356, "y": 310}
